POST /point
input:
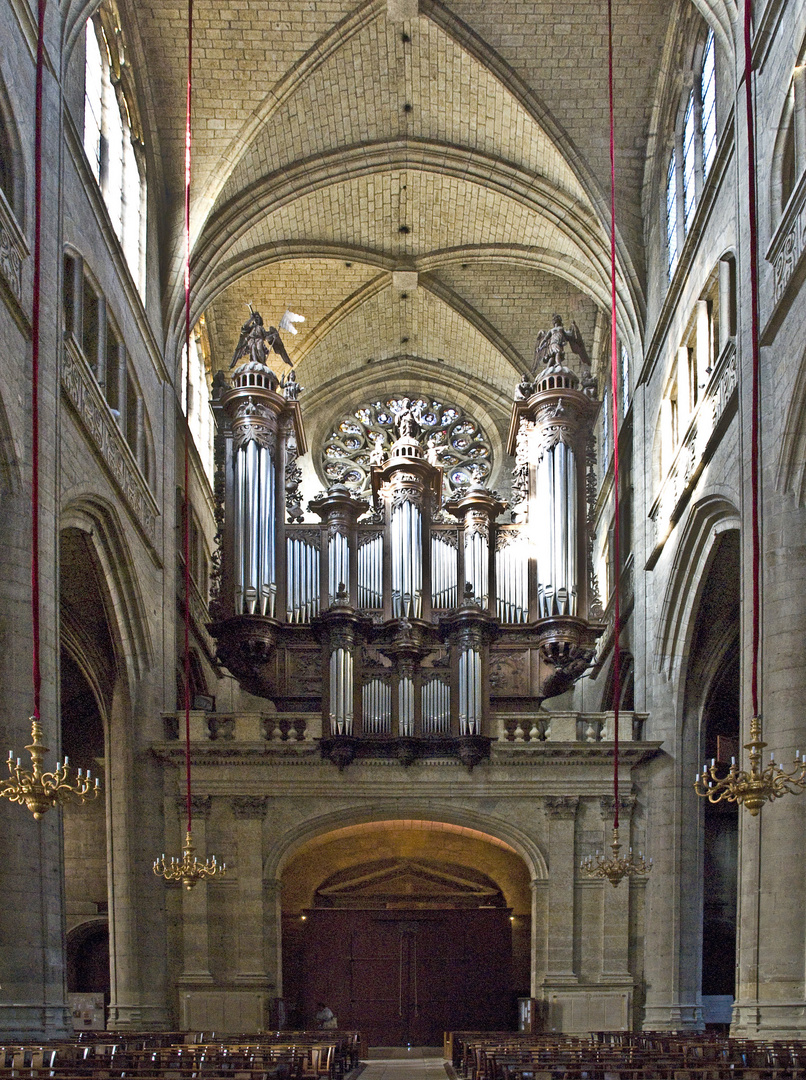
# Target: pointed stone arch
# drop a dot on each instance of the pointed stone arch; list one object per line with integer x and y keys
{"x": 126, "y": 616}
{"x": 695, "y": 550}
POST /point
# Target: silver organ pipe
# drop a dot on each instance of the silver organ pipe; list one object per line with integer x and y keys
{"x": 376, "y": 706}
{"x": 436, "y": 698}
{"x": 370, "y": 573}
{"x": 302, "y": 579}
{"x": 443, "y": 582}
{"x": 341, "y": 691}
{"x": 338, "y": 558}
{"x": 512, "y": 578}
{"x": 405, "y": 701}
{"x": 556, "y": 532}
{"x": 254, "y": 531}
{"x": 477, "y": 565}
{"x": 407, "y": 564}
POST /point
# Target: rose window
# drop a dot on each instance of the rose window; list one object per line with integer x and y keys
{"x": 462, "y": 448}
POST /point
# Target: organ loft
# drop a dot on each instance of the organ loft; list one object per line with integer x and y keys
{"x": 404, "y": 602}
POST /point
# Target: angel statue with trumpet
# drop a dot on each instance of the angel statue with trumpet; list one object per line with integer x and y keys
{"x": 550, "y": 346}
{"x": 256, "y": 341}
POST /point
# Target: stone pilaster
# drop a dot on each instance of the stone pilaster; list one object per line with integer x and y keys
{"x": 249, "y": 812}
{"x": 195, "y": 924}
{"x": 561, "y": 812}
{"x": 616, "y": 902}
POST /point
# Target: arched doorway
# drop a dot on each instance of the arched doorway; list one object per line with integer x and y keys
{"x": 712, "y": 732}
{"x": 406, "y": 929}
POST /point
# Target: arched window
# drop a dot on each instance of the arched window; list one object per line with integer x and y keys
{"x": 790, "y": 148}
{"x": 708, "y": 99}
{"x": 695, "y": 148}
{"x": 671, "y": 213}
{"x": 197, "y": 409}
{"x": 689, "y": 164}
{"x": 91, "y": 327}
{"x": 625, "y": 380}
{"x": 113, "y": 139}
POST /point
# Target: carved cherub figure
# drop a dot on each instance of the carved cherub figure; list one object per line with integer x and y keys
{"x": 550, "y": 345}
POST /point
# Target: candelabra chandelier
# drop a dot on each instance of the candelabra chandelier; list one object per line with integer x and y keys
{"x": 188, "y": 869}
{"x": 616, "y": 867}
{"x": 752, "y": 789}
{"x": 40, "y": 790}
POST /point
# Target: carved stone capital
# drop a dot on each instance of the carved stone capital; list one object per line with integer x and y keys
{"x": 249, "y": 807}
{"x": 626, "y": 805}
{"x": 200, "y": 806}
{"x": 561, "y": 807}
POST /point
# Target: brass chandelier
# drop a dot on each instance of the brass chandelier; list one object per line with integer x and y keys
{"x": 617, "y": 866}
{"x": 754, "y": 788}
{"x": 188, "y": 869}
{"x": 40, "y": 790}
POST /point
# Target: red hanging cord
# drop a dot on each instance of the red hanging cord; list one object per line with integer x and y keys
{"x": 37, "y": 284}
{"x": 756, "y": 360}
{"x": 614, "y": 403}
{"x": 186, "y": 514}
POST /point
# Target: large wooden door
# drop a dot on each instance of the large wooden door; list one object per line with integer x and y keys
{"x": 405, "y": 977}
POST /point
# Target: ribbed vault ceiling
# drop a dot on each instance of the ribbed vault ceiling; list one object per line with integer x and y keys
{"x": 334, "y": 144}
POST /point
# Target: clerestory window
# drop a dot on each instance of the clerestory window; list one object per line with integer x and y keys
{"x": 693, "y": 151}
{"x": 113, "y": 139}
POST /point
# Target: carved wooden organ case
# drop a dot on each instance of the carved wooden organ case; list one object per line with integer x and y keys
{"x": 407, "y": 621}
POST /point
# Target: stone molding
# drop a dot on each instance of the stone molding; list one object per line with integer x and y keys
{"x": 696, "y": 448}
{"x": 84, "y": 394}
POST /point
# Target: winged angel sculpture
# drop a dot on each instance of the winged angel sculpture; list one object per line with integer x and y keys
{"x": 256, "y": 341}
{"x": 550, "y": 347}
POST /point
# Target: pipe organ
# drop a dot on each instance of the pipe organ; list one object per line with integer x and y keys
{"x": 406, "y": 618}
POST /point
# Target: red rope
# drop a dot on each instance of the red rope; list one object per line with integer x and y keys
{"x": 754, "y": 344}
{"x": 614, "y": 404}
{"x": 37, "y": 285}
{"x": 186, "y": 515}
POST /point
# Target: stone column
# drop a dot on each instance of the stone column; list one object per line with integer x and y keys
{"x": 249, "y": 813}
{"x": 561, "y": 812}
{"x": 540, "y": 891}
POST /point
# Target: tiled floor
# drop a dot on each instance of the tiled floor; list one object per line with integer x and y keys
{"x": 416, "y": 1064}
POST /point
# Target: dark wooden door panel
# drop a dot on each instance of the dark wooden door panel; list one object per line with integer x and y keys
{"x": 404, "y": 977}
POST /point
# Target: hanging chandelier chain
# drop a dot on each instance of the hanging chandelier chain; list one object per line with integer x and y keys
{"x": 617, "y": 867}
{"x": 188, "y": 870}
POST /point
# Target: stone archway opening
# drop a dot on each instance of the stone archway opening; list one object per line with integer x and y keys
{"x": 405, "y": 929}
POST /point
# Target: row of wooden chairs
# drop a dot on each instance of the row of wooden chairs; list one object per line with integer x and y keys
{"x": 504, "y": 1056}
{"x": 308, "y": 1055}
